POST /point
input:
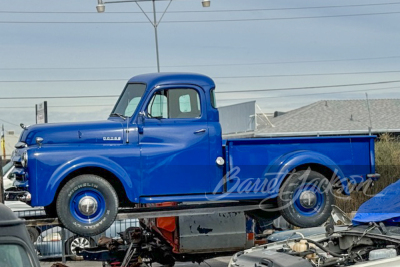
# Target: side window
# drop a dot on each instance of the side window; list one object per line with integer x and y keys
{"x": 158, "y": 107}
{"x": 175, "y": 104}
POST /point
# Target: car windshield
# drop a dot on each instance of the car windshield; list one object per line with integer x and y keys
{"x": 129, "y": 100}
{"x": 7, "y": 167}
{"x": 13, "y": 256}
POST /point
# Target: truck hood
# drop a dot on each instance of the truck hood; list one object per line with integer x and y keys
{"x": 107, "y": 131}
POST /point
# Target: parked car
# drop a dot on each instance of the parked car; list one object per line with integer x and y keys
{"x": 22, "y": 210}
{"x": 16, "y": 249}
{"x": 8, "y": 179}
{"x": 49, "y": 243}
{"x": 372, "y": 240}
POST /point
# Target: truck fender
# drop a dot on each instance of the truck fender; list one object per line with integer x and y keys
{"x": 101, "y": 162}
{"x": 283, "y": 165}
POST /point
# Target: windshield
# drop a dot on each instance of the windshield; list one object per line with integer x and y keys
{"x": 129, "y": 100}
{"x": 13, "y": 256}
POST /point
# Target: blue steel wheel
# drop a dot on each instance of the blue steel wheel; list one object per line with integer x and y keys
{"x": 87, "y": 205}
{"x": 306, "y": 198}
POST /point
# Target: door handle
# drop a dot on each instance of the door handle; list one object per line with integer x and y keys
{"x": 200, "y": 131}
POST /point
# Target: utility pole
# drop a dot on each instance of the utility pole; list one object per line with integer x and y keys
{"x": 2, "y": 158}
{"x": 1, "y": 181}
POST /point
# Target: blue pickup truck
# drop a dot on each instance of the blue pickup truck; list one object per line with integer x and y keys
{"x": 163, "y": 143}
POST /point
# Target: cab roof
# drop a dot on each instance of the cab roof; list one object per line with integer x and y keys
{"x": 165, "y": 78}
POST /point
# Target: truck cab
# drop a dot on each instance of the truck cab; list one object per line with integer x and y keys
{"x": 173, "y": 121}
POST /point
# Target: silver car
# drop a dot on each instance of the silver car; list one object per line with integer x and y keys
{"x": 7, "y": 177}
{"x": 49, "y": 244}
{"x": 363, "y": 245}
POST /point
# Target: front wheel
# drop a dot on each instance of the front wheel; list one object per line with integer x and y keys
{"x": 87, "y": 205}
{"x": 306, "y": 198}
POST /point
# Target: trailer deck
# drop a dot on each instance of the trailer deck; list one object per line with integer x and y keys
{"x": 158, "y": 212}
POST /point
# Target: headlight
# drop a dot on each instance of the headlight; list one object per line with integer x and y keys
{"x": 24, "y": 159}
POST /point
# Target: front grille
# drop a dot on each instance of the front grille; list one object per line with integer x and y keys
{"x": 20, "y": 178}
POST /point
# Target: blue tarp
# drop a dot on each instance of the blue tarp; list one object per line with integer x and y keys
{"x": 384, "y": 207}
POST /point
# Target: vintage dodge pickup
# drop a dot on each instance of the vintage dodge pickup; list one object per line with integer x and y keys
{"x": 163, "y": 143}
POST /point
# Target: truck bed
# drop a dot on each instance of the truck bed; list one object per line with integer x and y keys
{"x": 349, "y": 156}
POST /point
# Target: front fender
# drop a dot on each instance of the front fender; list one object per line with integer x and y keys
{"x": 93, "y": 161}
{"x": 283, "y": 165}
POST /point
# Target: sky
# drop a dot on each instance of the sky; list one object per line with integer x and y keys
{"x": 65, "y": 48}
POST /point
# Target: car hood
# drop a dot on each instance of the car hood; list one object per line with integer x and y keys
{"x": 108, "y": 131}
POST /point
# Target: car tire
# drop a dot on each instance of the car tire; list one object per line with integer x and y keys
{"x": 33, "y": 233}
{"x": 306, "y": 198}
{"x": 78, "y": 241}
{"x": 87, "y": 205}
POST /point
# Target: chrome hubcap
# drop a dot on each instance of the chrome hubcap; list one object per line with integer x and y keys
{"x": 88, "y": 205}
{"x": 308, "y": 199}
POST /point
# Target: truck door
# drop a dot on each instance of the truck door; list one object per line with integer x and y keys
{"x": 174, "y": 142}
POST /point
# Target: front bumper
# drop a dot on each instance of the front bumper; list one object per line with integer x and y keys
{"x": 22, "y": 195}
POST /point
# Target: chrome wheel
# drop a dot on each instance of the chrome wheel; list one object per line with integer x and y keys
{"x": 79, "y": 242}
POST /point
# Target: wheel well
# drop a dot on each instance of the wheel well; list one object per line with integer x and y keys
{"x": 109, "y": 176}
{"x": 325, "y": 171}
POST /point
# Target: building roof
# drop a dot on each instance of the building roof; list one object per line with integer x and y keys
{"x": 336, "y": 116}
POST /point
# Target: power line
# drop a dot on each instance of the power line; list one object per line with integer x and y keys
{"x": 218, "y": 77}
{"x": 70, "y": 106}
{"x": 201, "y": 21}
{"x": 220, "y": 92}
{"x": 209, "y": 65}
{"x": 57, "y": 97}
{"x": 57, "y": 81}
{"x": 9, "y": 122}
{"x": 204, "y": 11}
{"x": 313, "y": 94}
{"x": 307, "y": 87}
{"x": 281, "y": 96}
{"x": 307, "y": 74}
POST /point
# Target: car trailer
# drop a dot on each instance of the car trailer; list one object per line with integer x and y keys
{"x": 169, "y": 232}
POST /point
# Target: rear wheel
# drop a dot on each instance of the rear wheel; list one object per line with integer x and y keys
{"x": 305, "y": 199}
{"x": 33, "y": 233}
{"x": 87, "y": 205}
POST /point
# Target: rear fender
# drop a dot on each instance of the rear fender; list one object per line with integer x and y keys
{"x": 100, "y": 162}
{"x": 281, "y": 167}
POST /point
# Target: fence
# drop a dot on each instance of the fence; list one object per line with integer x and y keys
{"x": 53, "y": 241}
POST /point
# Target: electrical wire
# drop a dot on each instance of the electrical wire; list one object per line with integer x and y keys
{"x": 205, "y": 11}
{"x": 213, "y": 65}
{"x": 307, "y": 87}
{"x": 203, "y": 21}
{"x": 230, "y": 99}
{"x": 313, "y": 94}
